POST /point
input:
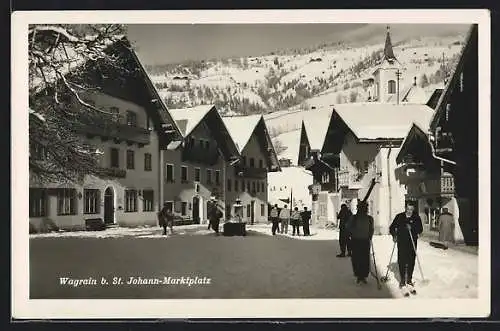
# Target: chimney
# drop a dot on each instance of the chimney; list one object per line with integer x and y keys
{"x": 415, "y": 81}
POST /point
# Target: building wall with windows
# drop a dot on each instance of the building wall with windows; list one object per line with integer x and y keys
{"x": 129, "y": 197}
{"x": 194, "y": 179}
{"x": 359, "y": 164}
{"x": 247, "y": 181}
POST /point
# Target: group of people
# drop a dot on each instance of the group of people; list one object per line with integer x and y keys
{"x": 356, "y": 232}
{"x": 296, "y": 218}
{"x": 166, "y": 217}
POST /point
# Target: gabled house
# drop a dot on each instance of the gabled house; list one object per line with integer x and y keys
{"x": 126, "y": 191}
{"x": 194, "y": 167}
{"x": 247, "y": 180}
{"x": 439, "y": 159}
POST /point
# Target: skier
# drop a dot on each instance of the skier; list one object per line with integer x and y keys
{"x": 295, "y": 220}
{"x": 361, "y": 228}
{"x": 284, "y": 219}
{"x": 344, "y": 239}
{"x": 306, "y": 217}
{"x": 400, "y": 229}
{"x": 274, "y": 218}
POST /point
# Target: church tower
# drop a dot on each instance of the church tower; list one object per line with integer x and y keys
{"x": 388, "y": 74}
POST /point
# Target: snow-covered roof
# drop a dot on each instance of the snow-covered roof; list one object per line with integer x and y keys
{"x": 381, "y": 120}
{"x": 291, "y": 140}
{"x": 316, "y": 125}
{"x": 412, "y": 94}
{"x": 188, "y": 118}
{"x": 241, "y": 128}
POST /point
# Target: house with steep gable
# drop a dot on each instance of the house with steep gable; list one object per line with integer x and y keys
{"x": 126, "y": 191}
{"x": 247, "y": 180}
{"x": 195, "y": 166}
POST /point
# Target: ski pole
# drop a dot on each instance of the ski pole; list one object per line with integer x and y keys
{"x": 418, "y": 260}
{"x": 375, "y": 265}
{"x": 386, "y": 277}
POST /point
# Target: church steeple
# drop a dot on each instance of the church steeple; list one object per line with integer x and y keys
{"x": 388, "y": 51}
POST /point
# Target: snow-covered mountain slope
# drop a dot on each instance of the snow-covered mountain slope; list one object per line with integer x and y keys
{"x": 287, "y": 82}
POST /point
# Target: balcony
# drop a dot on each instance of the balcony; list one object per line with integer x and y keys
{"x": 444, "y": 185}
{"x": 247, "y": 172}
{"x": 350, "y": 179}
{"x": 112, "y": 130}
{"x": 200, "y": 155}
{"x": 112, "y": 172}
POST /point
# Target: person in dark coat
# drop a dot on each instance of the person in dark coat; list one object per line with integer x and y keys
{"x": 400, "y": 229}
{"x": 361, "y": 228}
{"x": 214, "y": 215}
{"x": 166, "y": 218}
{"x": 306, "y": 217}
{"x": 274, "y": 218}
{"x": 295, "y": 220}
{"x": 344, "y": 239}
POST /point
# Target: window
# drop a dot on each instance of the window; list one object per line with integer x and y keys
{"x": 244, "y": 160}
{"x": 229, "y": 185}
{"x": 130, "y": 201}
{"x": 325, "y": 178}
{"x": 38, "y": 151}
{"x": 391, "y": 87}
{"x": 183, "y": 208}
{"x": 169, "y": 205}
{"x": 242, "y": 185}
{"x": 262, "y": 210}
{"x": 248, "y": 210}
{"x": 217, "y": 177}
{"x": 207, "y": 144}
{"x": 253, "y": 187}
{"x": 130, "y": 159}
{"x": 261, "y": 164}
{"x": 148, "y": 200}
{"x": 209, "y": 176}
{"x": 252, "y": 162}
{"x": 131, "y": 118}
{"x": 148, "y": 166}
{"x": 248, "y": 186}
{"x": 38, "y": 202}
{"x": 197, "y": 174}
{"x": 202, "y": 143}
{"x": 170, "y": 173}
{"x": 262, "y": 186}
{"x": 365, "y": 166}
{"x": 258, "y": 187}
{"x": 236, "y": 188}
{"x": 191, "y": 142}
{"x": 66, "y": 201}
{"x": 184, "y": 174}
{"x": 92, "y": 201}
{"x": 114, "y": 157}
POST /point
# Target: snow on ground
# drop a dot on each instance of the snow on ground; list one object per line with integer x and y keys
{"x": 448, "y": 273}
{"x": 291, "y": 140}
{"x": 139, "y": 232}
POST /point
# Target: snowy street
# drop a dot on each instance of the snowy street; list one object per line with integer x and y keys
{"x": 448, "y": 273}
{"x": 256, "y": 266}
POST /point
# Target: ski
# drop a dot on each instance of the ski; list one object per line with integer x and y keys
{"x": 405, "y": 292}
{"x": 412, "y": 290}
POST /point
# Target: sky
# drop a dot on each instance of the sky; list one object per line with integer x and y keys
{"x": 175, "y": 43}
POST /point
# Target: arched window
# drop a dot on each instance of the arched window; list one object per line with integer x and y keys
{"x": 391, "y": 86}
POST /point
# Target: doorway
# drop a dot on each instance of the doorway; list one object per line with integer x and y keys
{"x": 109, "y": 206}
{"x": 196, "y": 210}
